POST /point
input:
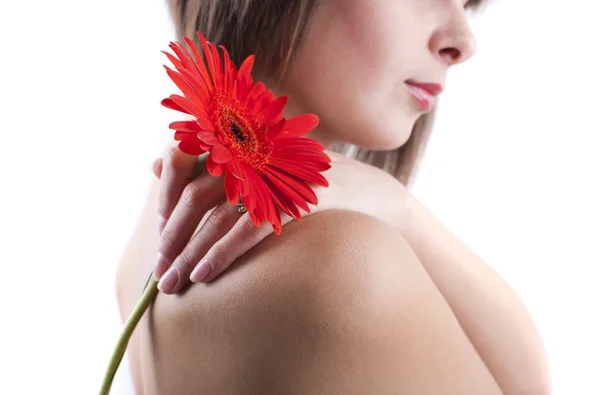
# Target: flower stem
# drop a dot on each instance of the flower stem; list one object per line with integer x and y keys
{"x": 144, "y": 302}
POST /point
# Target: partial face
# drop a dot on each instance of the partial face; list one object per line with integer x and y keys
{"x": 370, "y": 68}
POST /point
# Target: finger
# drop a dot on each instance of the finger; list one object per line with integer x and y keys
{"x": 218, "y": 223}
{"x": 156, "y": 167}
{"x": 176, "y": 170}
{"x": 240, "y": 239}
{"x": 199, "y": 196}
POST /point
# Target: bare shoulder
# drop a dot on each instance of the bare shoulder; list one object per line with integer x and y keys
{"x": 329, "y": 306}
{"x": 323, "y": 253}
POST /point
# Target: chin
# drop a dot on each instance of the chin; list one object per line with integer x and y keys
{"x": 389, "y": 131}
{"x": 390, "y": 140}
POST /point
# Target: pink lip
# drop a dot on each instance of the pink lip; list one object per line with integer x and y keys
{"x": 425, "y": 93}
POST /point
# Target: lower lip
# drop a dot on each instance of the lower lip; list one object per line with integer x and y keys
{"x": 424, "y": 98}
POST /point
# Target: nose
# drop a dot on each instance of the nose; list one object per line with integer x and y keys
{"x": 453, "y": 42}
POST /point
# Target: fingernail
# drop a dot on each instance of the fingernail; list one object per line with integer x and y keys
{"x": 161, "y": 224}
{"x": 169, "y": 280}
{"x": 201, "y": 271}
{"x": 161, "y": 266}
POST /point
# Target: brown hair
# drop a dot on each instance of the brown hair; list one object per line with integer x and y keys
{"x": 272, "y": 30}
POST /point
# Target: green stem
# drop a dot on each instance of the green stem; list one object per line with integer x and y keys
{"x": 146, "y": 299}
{"x": 148, "y": 296}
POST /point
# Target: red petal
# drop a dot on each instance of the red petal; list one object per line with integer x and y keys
{"x": 218, "y": 65}
{"x": 242, "y": 90}
{"x": 299, "y": 171}
{"x": 198, "y": 84}
{"x": 317, "y": 160}
{"x": 205, "y": 124}
{"x": 188, "y": 90}
{"x": 275, "y": 129}
{"x": 180, "y": 135}
{"x": 249, "y": 200}
{"x": 169, "y": 103}
{"x": 256, "y": 90}
{"x": 301, "y": 153}
{"x": 290, "y": 193}
{"x": 193, "y": 109}
{"x": 316, "y": 166}
{"x": 273, "y": 112}
{"x": 265, "y": 198}
{"x": 301, "y": 124}
{"x": 197, "y": 80}
{"x": 297, "y": 185}
{"x": 231, "y": 191}
{"x": 205, "y": 147}
{"x": 220, "y": 154}
{"x": 244, "y": 186}
{"x": 255, "y": 218}
{"x": 236, "y": 169}
{"x": 256, "y": 211}
{"x": 191, "y": 146}
{"x": 276, "y": 223}
{"x": 282, "y": 195}
{"x": 297, "y": 142}
{"x": 228, "y": 73}
{"x": 206, "y": 47}
{"x": 185, "y": 126}
{"x": 173, "y": 60}
{"x": 261, "y": 199}
{"x": 244, "y": 78}
{"x": 215, "y": 169}
{"x": 245, "y": 70}
{"x": 271, "y": 212}
{"x": 208, "y": 138}
{"x": 200, "y": 63}
{"x": 262, "y": 101}
{"x": 186, "y": 60}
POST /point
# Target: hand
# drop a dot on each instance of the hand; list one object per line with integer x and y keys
{"x": 227, "y": 234}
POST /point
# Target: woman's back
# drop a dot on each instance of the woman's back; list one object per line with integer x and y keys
{"x": 337, "y": 304}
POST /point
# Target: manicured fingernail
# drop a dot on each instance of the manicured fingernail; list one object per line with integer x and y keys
{"x": 201, "y": 271}
{"x": 169, "y": 280}
{"x": 161, "y": 224}
{"x": 161, "y": 266}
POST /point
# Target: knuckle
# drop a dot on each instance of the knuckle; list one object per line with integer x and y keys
{"x": 218, "y": 255}
{"x": 167, "y": 243}
{"x": 170, "y": 156}
{"x": 163, "y": 206}
{"x": 246, "y": 225}
{"x": 218, "y": 217}
{"x": 186, "y": 260}
{"x": 192, "y": 194}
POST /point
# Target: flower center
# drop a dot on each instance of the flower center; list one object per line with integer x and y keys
{"x": 238, "y": 130}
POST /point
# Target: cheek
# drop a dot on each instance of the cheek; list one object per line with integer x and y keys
{"x": 337, "y": 59}
{"x": 351, "y": 76}
{"x": 348, "y": 33}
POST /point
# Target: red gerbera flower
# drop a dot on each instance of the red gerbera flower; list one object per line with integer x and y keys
{"x": 266, "y": 160}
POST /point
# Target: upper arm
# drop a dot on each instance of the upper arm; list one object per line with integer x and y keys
{"x": 338, "y": 304}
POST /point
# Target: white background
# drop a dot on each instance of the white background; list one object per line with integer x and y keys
{"x": 512, "y": 169}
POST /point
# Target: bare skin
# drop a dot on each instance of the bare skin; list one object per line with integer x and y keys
{"x": 513, "y": 337}
{"x": 342, "y": 293}
{"x": 439, "y": 319}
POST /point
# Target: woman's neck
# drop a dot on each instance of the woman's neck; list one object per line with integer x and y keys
{"x": 321, "y": 133}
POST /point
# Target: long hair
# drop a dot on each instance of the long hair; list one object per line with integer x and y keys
{"x": 272, "y": 30}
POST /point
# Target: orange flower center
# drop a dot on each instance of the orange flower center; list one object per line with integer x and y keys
{"x": 238, "y": 130}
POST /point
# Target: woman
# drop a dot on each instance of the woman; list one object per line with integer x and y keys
{"x": 372, "y": 295}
